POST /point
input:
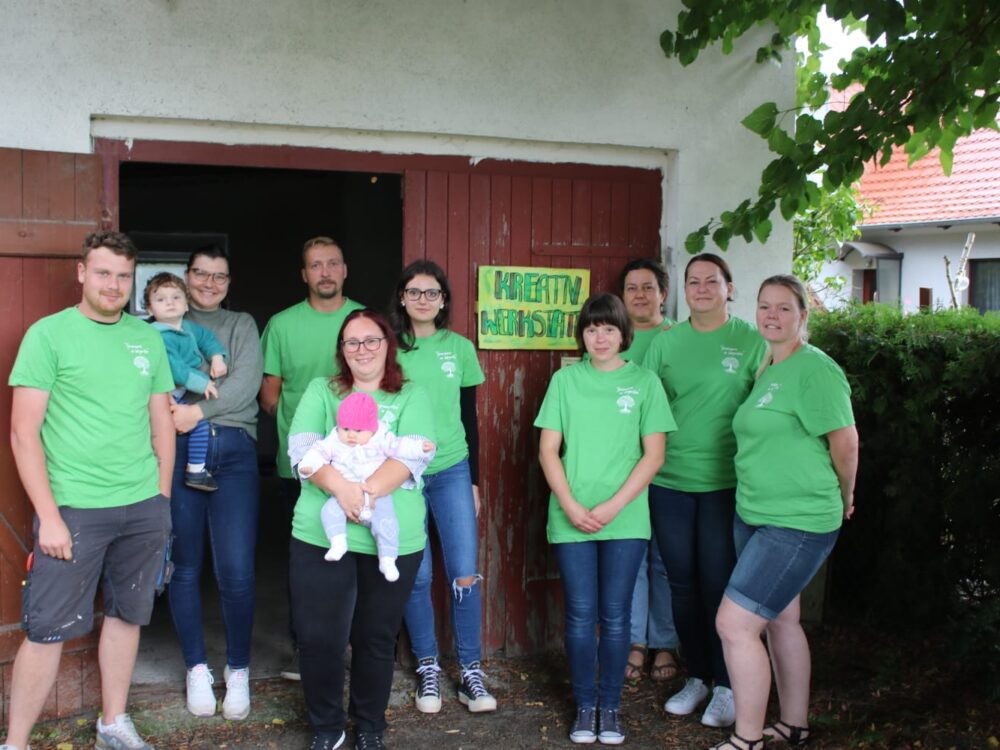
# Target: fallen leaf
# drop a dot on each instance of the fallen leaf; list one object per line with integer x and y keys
{"x": 278, "y": 722}
{"x": 993, "y": 742}
{"x": 64, "y": 746}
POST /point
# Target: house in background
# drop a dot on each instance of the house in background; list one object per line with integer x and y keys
{"x": 920, "y": 218}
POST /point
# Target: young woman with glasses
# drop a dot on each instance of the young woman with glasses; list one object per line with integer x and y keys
{"x": 445, "y": 364}
{"x": 227, "y": 516}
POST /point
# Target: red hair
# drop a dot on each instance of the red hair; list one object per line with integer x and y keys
{"x": 392, "y": 378}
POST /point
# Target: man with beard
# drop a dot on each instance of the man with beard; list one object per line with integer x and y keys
{"x": 299, "y": 344}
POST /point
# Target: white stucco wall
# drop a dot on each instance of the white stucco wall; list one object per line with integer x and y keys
{"x": 561, "y": 80}
{"x": 923, "y": 250}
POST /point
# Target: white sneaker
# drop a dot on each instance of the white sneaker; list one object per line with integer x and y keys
{"x": 119, "y": 736}
{"x": 200, "y": 697}
{"x": 720, "y": 711}
{"x": 687, "y": 699}
{"x": 429, "y": 685}
{"x": 236, "y": 704}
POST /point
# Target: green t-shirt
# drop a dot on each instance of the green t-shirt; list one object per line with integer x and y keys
{"x": 706, "y": 376}
{"x": 602, "y": 417}
{"x": 96, "y": 428}
{"x": 786, "y": 476}
{"x": 299, "y": 344}
{"x": 641, "y": 339}
{"x": 443, "y": 364}
{"x": 409, "y": 413}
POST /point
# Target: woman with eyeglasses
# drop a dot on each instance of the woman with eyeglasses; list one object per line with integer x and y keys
{"x": 227, "y": 516}
{"x": 336, "y": 602}
{"x": 445, "y": 363}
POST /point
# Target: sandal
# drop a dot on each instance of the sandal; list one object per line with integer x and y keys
{"x": 782, "y": 731}
{"x": 668, "y": 670}
{"x": 734, "y": 738}
{"x": 634, "y": 667}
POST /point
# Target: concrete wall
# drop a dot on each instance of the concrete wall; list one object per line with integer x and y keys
{"x": 563, "y": 80}
{"x": 923, "y": 250}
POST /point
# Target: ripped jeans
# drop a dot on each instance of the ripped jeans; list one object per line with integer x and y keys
{"x": 450, "y": 504}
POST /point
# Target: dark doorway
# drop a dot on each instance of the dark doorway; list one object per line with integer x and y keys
{"x": 264, "y": 216}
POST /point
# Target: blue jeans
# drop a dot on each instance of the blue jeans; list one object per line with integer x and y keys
{"x": 695, "y": 532}
{"x": 652, "y": 612}
{"x": 775, "y": 564}
{"x": 229, "y": 515}
{"x": 451, "y": 505}
{"x": 598, "y": 579}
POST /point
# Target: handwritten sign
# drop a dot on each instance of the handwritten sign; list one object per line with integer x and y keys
{"x": 520, "y": 307}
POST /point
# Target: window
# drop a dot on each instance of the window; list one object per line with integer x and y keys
{"x": 984, "y": 289}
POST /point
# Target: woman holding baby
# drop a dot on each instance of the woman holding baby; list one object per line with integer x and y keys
{"x": 349, "y": 600}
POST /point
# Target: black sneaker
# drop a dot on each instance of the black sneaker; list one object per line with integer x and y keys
{"x": 473, "y": 693}
{"x": 584, "y": 729}
{"x": 610, "y": 730}
{"x": 369, "y": 741}
{"x": 327, "y": 740}
{"x": 429, "y": 686}
{"x": 200, "y": 480}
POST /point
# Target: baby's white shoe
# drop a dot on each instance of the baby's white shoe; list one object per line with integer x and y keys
{"x": 338, "y": 548}
{"x": 388, "y": 567}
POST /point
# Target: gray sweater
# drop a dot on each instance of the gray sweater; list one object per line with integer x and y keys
{"x": 236, "y": 405}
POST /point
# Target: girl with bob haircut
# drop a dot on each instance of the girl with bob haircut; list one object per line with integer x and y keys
{"x": 796, "y": 461}
{"x": 598, "y": 518}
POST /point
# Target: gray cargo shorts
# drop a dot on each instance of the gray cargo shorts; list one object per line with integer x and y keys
{"x": 121, "y": 548}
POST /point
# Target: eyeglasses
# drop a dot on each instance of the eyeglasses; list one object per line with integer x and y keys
{"x": 372, "y": 344}
{"x": 413, "y": 294}
{"x": 218, "y": 278}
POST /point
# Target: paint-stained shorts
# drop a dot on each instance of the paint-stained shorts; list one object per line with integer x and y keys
{"x": 121, "y": 548}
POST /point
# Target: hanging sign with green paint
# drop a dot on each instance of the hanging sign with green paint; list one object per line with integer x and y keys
{"x": 520, "y": 307}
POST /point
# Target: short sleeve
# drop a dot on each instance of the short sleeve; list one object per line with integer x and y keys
{"x": 656, "y": 414}
{"x": 825, "y": 404}
{"x": 271, "y": 347}
{"x": 313, "y": 414}
{"x": 472, "y": 373}
{"x": 37, "y": 364}
{"x": 416, "y": 417}
{"x": 550, "y": 414}
{"x": 163, "y": 379}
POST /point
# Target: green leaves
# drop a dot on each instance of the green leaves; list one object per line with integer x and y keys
{"x": 761, "y": 120}
{"x": 932, "y": 79}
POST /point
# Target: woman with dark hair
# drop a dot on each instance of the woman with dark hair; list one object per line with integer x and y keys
{"x": 796, "y": 461}
{"x": 603, "y": 425}
{"x": 644, "y": 284}
{"x": 706, "y": 364}
{"x": 445, "y": 364}
{"x": 349, "y": 600}
{"x": 227, "y": 516}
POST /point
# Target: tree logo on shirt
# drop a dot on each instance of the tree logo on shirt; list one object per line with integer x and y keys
{"x": 625, "y": 404}
{"x": 448, "y": 368}
{"x": 143, "y": 364}
{"x": 388, "y": 413}
{"x": 769, "y": 396}
{"x": 729, "y": 364}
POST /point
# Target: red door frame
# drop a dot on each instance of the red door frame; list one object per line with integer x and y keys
{"x": 447, "y": 216}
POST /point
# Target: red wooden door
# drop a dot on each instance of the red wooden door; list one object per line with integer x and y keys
{"x": 527, "y": 215}
{"x": 48, "y": 203}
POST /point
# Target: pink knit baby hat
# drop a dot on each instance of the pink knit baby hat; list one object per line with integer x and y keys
{"x": 358, "y": 412}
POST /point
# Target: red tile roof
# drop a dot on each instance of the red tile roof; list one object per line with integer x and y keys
{"x": 923, "y": 194}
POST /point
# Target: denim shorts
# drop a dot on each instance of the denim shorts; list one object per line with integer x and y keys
{"x": 774, "y": 565}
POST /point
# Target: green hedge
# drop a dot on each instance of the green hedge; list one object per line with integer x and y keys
{"x": 924, "y": 544}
